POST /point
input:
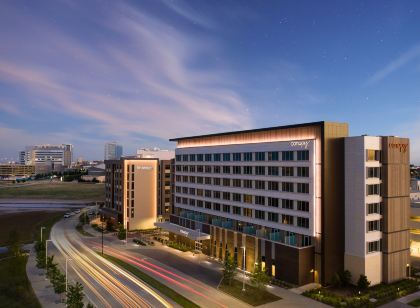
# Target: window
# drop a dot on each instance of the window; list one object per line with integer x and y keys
{"x": 200, "y": 169}
{"x": 260, "y": 200}
{"x": 207, "y": 180}
{"x": 192, "y": 202}
{"x": 302, "y": 155}
{"x": 207, "y": 157}
{"x": 192, "y": 191}
{"x": 207, "y": 193}
{"x": 260, "y": 170}
{"x": 178, "y": 157}
{"x": 185, "y": 157}
{"x": 259, "y": 184}
{"x": 260, "y": 156}
{"x": 226, "y": 195}
{"x": 287, "y": 219}
{"x": 247, "y": 198}
{"x": 192, "y": 157}
{"x": 236, "y": 169}
{"x": 236, "y": 210}
{"x": 303, "y": 222}
{"x": 373, "y": 155}
{"x": 374, "y": 246}
{"x": 273, "y": 170}
{"x": 226, "y": 208}
{"x": 200, "y": 180}
{"x": 216, "y": 206}
{"x": 236, "y": 197}
{"x": 216, "y": 157}
{"x": 287, "y": 186}
{"x": 199, "y": 157}
{"x": 247, "y": 183}
{"x": 216, "y": 181}
{"x": 185, "y": 168}
{"x": 273, "y": 156}
{"x": 247, "y": 212}
{"x": 374, "y": 189}
{"x": 236, "y": 156}
{"x": 226, "y": 156}
{"x": 287, "y": 155}
{"x": 226, "y": 169}
{"x": 247, "y": 170}
{"x": 273, "y": 217}
{"x": 273, "y": 185}
{"x": 287, "y": 171}
{"x": 200, "y": 192}
{"x": 374, "y": 208}
{"x": 303, "y": 206}
{"x": 303, "y": 188}
{"x": 216, "y": 194}
{"x": 259, "y": 214}
{"x": 373, "y": 172}
{"x": 287, "y": 204}
{"x": 236, "y": 183}
{"x": 373, "y": 225}
{"x": 207, "y": 169}
{"x": 200, "y": 203}
{"x": 216, "y": 169}
{"x": 274, "y": 202}
{"x": 226, "y": 182}
{"x": 303, "y": 171}
{"x": 248, "y": 156}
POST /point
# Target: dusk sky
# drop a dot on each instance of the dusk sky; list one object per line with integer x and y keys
{"x": 141, "y": 72}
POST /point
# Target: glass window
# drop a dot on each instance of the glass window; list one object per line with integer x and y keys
{"x": 185, "y": 157}
{"x": 303, "y": 206}
{"x": 236, "y": 210}
{"x": 273, "y": 170}
{"x": 247, "y": 183}
{"x": 272, "y": 185}
{"x": 226, "y": 182}
{"x": 260, "y": 200}
{"x": 216, "y": 206}
{"x": 192, "y": 157}
{"x": 207, "y": 157}
{"x": 273, "y": 156}
{"x": 303, "y": 188}
{"x": 216, "y": 157}
{"x": 273, "y": 217}
{"x": 216, "y": 194}
{"x": 274, "y": 202}
{"x": 303, "y": 222}
{"x": 226, "y": 208}
{"x": 236, "y": 197}
{"x": 207, "y": 169}
{"x": 207, "y": 193}
{"x": 260, "y": 170}
{"x": 247, "y": 169}
{"x": 259, "y": 214}
{"x": 216, "y": 169}
{"x": 260, "y": 156}
{"x": 374, "y": 246}
{"x": 226, "y": 169}
{"x": 247, "y": 198}
{"x": 200, "y": 203}
{"x": 216, "y": 181}
{"x": 373, "y": 172}
{"x": 247, "y": 212}
{"x": 236, "y": 169}
{"x": 236, "y": 183}
{"x": 259, "y": 184}
{"x": 226, "y": 195}
{"x": 287, "y": 186}
{"x": 287, "y": 204}
{"x": 199, "y": 157}
{"x": 374, "y": 225}
{"x": 373, "y": 155}
{"x": 374, "y": 208}
{"x": 178, "y": 157}
{"x": 248, "y": 156}
{"x": 287, "y": 171}
{"x": 287, "y": 155}
{"x": 236, "y": 156}
{"x": 207, "y": 180}
{"x": 287, "y": 219}
{"x": 226, "y": 156}
{"x": 303, "y": 171}
{"x": 374, "y": 189}
{"x": 302, "y": 155}
{"x": 207, "y": 205}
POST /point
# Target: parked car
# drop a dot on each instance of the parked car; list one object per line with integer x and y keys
{"x": 77, "y": 211}
{"x": 66, "y": 215}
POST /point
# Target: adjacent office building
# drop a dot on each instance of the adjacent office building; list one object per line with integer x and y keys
{"x": 292, "y": 198}
{"x": 113, "y": 151}
{"x": 16, "y": 170}
{"x": 138, "y": 189}
{"x": 47, "y": 157}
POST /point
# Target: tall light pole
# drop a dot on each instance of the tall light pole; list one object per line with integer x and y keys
{"x": 243, "y": 266}
{"x": 102, "y": 236}
{"x": 67, "y": 260}
{"x": 42, "y": 228}
{"x": 46, "y": 252}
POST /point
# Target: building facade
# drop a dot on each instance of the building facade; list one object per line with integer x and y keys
{"x": 47, "y": 157}
{"x": 16, "y": 170}
{"x": 112, "y": 151}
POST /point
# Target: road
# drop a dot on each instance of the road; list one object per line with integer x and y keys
{"x": 105, "y": 284}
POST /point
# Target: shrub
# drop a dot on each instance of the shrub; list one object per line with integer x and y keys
{"x": 363, "y": 283}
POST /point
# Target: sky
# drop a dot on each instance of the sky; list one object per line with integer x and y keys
{"x": 141, "y": 72}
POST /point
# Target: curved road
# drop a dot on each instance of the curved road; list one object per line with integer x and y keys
{"x": 105, "y": 284}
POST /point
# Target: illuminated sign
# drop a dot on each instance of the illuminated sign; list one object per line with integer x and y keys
{"x": 401, "y": 146}
{"x": 144, "y": 168}
{"x": 184, "y": 232}
{"x": 302, "y": 144}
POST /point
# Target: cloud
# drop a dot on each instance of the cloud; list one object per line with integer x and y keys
{"x": 393, "y": 66}
{"x": 179, "y": 7}
{"x": 136, "y": 77}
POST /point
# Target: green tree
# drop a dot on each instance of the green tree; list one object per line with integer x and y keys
{"x": 109, "y": 225}
{"x": 59, "y": 282}
{"x": 229, "y": 269}
{"x": 75, "y": 296}
{"x": 51, "y": 267}
{"x": 259, "y": 277}
{"x": 363, "y": 283}
{"x": 121, "y": 233}
{"x": 89, "y": 306}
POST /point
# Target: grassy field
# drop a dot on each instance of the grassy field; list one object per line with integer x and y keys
{"x": 57, "y": 190}
{"x": 15, "y": 288}
{"x": 27, "y": 224}
{"x": 175, "y": 296}
{"x": 251, "y": 296}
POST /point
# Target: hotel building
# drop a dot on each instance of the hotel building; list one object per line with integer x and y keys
{"x": 278, "y": 196}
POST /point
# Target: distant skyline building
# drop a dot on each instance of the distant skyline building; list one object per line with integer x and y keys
{"x": 113, "y": 150}
{"x": 47, "y": 157}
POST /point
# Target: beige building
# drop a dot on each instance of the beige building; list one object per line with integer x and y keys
{"x": 15, "y": 170}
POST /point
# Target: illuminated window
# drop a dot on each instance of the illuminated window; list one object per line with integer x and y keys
{"x": 247, "y": 198}
{"x": 247, "y": 212}
{"x": 273, "y": 270}
{"x": 373, "y": 155}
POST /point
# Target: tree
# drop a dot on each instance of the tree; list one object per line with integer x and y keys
{"x": 75, "y": 296}
{"x": 363, "y": 283}
{"x": 121, "y": 233}
{"x": 89, "y": 306}
{"x": 59, "y": 282}
{"x": 14, "y": 243}
{"x": 229, "y": 269}
{"x": 51, "y": 267}
{"x": 109, "y": 226}
{"x": 259, "y": 277}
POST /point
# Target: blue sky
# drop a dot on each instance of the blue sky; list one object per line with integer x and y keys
{"x": 141, "y": 72}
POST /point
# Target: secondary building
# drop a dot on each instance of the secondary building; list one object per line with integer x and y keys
{"x": 15, "y": 171}
{"x": 277, "y": 196}
{"x": 47, "y": 157}
{"x": 112, "y": 150}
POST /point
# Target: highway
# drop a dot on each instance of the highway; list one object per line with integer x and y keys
{"x": 105, "y": 285}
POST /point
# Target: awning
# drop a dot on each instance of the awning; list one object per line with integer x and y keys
{"x": 182, "y": 231}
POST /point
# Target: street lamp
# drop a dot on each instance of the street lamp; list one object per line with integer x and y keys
{"x": 46, "y": 252}
{"x": 42, "y": 228}
{"x": 102, "y": 235}
{"x": 243, "y": 266}
{"x": 67, "y": 260}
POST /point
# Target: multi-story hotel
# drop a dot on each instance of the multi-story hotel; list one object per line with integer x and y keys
{"x": 138, "y": 190}
{"x": 278, "y": 196}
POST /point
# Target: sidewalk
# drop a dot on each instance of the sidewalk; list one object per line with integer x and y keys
{"x": 403, "y": 301}
{"x": 42, "y": 287}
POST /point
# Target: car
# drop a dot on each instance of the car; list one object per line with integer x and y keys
{"x": 66, "y": 215}
{"x": 77, "y": 211}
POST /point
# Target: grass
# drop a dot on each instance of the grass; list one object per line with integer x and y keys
{"x": 415, "y": 303}
{"x": 55, "y": 191}
{"x": 82, "y": 231}
{"x": 27, "y": 224}
{"x": 175, "y": 296}
{"x": 251, "y": 295}
{"x": 15, "y": 288}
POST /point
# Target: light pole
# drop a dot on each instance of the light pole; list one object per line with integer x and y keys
{"x": 243, "y": 266}
{"x": 46, "y": 253}
{"x": 42, "y": 228}
{"x": 102, "y": 236}
{"x": 67, "y": 260}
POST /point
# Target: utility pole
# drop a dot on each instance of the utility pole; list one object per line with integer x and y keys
{"x": 102, "y": 236}
{"x": 243, "y": 266}
{"x": 67, "y": 259}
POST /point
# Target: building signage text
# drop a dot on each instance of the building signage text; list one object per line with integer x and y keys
{"x": 144, "y": 168}
{"x": 401, "y": 146}
{"x": 302, "y": 144}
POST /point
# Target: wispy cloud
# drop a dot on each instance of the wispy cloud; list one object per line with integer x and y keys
{"x": 181, "y": 8}
{"x": 395, "y": 65}
{"x": 137, "y": 80}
